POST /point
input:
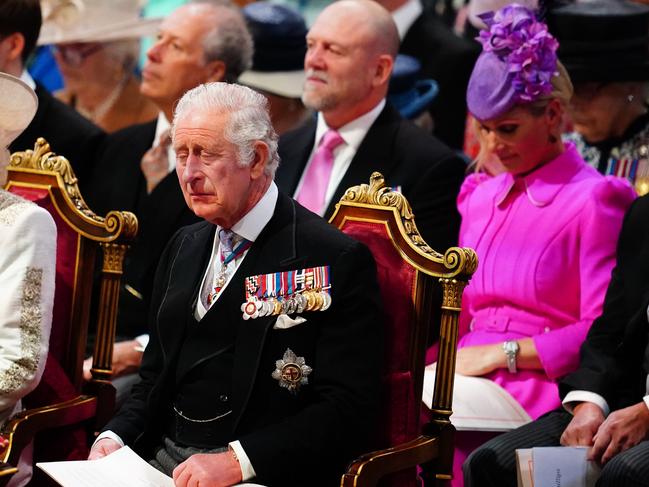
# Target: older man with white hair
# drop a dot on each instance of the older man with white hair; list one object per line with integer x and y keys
{"x": 201, "y": 41}
{"x": 266, "y": 338}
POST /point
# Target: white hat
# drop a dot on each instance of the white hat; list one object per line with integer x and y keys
{"x": 18, "y": 104}
{"x": 283, "y": 83}
{"x": 94, "y": 21}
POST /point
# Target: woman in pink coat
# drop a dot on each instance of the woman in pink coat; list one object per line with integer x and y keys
{"x": 545, "y": 230}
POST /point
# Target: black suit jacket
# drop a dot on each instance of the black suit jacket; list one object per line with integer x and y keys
{"x": 287, "y": 437}
{"x": 612, "y": 356}
{"x": 68, "y": 133}
{"x": 449, "y": 60}
{"x": 118, "y": 183}
{"x": 428, "y": 172}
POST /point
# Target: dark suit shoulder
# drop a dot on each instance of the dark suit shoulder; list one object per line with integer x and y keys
{"x": 73, "y": 121}
{"x": 420, "y": 143}
{"x": 315, "y": 229}
{"x": 68, "y": 133}
{"x": 131, "y": 141}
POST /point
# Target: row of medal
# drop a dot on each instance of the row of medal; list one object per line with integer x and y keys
{"x": 287, "y": 292}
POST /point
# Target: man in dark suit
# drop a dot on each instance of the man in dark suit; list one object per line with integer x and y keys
{"x": 350, "y": 55}
{"x": 235, "y": 361}
{"x": 606, "y": 400}
{"x": 444, "y": 56}
{"x": 199, "y": 42}
{"x": 67, "y": 132}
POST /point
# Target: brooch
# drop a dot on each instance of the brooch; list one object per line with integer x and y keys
{"x": 291, "y": 371}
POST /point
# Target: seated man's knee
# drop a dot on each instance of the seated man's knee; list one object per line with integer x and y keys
{"x": 487, "y": 466}
{"x": 626, "y": 469}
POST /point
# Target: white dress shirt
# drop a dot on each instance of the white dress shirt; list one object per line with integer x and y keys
{"x": 161, "y": 125}
{"x": 353, "y": 134}
{"x": 406, "y": 15}
{"x": 28, "y": 80}
{"x": 249, "y": 227}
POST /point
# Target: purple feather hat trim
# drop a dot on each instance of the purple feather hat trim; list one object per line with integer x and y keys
{"x": 527, "y": 52}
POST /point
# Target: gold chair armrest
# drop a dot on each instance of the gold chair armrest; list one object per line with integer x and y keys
{"x": 368, "y": 469}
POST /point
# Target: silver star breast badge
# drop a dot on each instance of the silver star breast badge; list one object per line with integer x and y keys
{"x": 291, "y": 371}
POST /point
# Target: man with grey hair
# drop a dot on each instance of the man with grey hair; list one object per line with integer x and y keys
{"x": 349, "y": 59}
{"x": 266, "y": 343}
{"x": 199, "y": 42}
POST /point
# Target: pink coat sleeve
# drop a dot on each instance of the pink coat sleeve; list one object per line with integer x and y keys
{"x": 599, "y": 228}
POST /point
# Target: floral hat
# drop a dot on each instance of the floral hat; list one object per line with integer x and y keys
{"x": 517, "y": 63}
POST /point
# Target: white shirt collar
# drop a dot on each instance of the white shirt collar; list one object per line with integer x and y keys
{"x": 406, "y": 15}
{"x": 161, "y": 125}
{"x": 353, "y": 132}
{"x": 253, "y": 222}
{"x": 27, "y": 78}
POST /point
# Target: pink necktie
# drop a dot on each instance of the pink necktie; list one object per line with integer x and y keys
{"x": 314, "y": 187}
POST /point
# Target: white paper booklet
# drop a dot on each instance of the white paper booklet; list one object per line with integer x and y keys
{"x": 479, "y": 404}
{"x": 555, "y": 467}
{"x": 122, "y": 468}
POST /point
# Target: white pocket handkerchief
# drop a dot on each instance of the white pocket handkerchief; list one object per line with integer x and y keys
{"x": 285, "y": 322}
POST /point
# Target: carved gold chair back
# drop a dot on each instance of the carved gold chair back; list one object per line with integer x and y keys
{"x": 409, "y": 273}
{"x": 62, "y": 400}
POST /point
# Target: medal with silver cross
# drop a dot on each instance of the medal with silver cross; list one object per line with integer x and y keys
{"x": 291, "y": 371}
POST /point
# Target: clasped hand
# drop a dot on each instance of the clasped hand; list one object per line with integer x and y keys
{"x": 204, "y": 469}
{"x": 623, "y": 429}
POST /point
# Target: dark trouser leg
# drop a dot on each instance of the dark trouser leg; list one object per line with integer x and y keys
{"x": 494, "y": 463}
{"x": 627, "y": 469}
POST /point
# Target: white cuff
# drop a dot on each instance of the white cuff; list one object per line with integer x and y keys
{"x": 247, "y": 471}
{"x": 646, "y": 400}
{"x": 143, "y": 340}
{"x": 585, "y": 396}
{"x": 111, "y": 435}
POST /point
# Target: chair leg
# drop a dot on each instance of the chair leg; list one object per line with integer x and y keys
{"x": 438, "y": 472}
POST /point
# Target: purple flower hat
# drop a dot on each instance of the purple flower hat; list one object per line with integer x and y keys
{"x": 517, "y": 63}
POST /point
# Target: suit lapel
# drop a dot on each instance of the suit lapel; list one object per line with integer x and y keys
{"x": 275, "y": 251}
{"x": 376, "y": 153}
{"x": 295, "y": 149}
{"x": 184, "y": 283}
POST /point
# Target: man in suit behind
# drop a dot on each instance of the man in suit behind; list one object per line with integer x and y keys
{"x": 235, "y": 361}
{"x": 444, "y": 56}
{"x": 350, "y": 55}
{"x": 67, "y": 132}
{"x": 606, "y": 400}
{"x": 199, "y": 42}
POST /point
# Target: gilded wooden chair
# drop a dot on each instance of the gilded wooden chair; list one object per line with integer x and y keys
{"x": 63, "y": 411}
{"x": 408, "y": 273}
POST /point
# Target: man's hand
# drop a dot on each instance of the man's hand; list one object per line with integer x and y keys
{"x": 103, "y": 447}
{"x": 126, "y": 359}
{"x": 623, "y": 429}
{"x": 480, "y": 360}
{"x": 208, "y": 470}
{"x": 587, "y": 418}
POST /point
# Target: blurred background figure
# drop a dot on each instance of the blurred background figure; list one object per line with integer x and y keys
{"x": 410, "y": 94}
{"x": 96, "y": 47}
{"x": 27, "y": 269}
{"x": 605, "y": 47}
{"x": 444, "y": 56}
{"x": 279, "y": 35}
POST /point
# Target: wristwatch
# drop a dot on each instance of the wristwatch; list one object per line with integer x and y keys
{"x": 511, "y": 349}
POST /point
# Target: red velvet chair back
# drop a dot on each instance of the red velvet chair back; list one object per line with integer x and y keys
{"x": 409, "y": 275}
{"x": 62, "y": 404}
